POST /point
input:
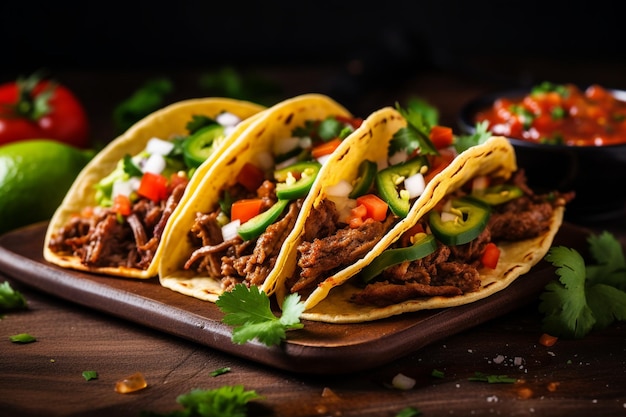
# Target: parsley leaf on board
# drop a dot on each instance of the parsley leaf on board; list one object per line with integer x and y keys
{"x": 248, "y": 309}
{"x": 22, "y": 338}
{"x": 10, "y": 298}
{"x": 492, "y": 379}
{"x": 89, "y": 375}
{"x": 585, "y": 297}
{"x": 226, "y": 401}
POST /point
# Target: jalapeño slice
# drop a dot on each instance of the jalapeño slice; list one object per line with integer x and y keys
{"x": 296, "y": 180}
{"x": 256, "y": 226}
{"x": 471, "y": 220}
{"x": 499, "y": 194}
{"x": 389, "y": 179}
{"x": 424, "y": 245}
{"x": 366, "y": 174}
{"x": 199, "y": 146}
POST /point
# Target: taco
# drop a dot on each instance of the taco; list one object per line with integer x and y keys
{"x": 233, "y": 227}
{"x": 446, "y": 217}
{"x": 112, "y": 219}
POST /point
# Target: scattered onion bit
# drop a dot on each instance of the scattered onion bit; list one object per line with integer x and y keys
{"x": 402, "y": 382}
{"x": 548, "y": 340}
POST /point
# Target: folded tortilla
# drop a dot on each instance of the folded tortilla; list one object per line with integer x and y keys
{"x": 276, "y": 124}
{"x": 164, "y": 123}
{"x": 330, "y": 300}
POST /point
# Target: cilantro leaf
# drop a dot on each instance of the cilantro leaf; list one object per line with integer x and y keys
{"x": 248, "y": 309}
{"x": 89, "y": 375}
{"x": 220, "y": 371}
{"x": 480, "y": 136}
{"x": 22, "y": 338}
{"x": 585, "y": 297}
{"x": 10, "y": 298}
{"x": 226, "y": 401}
{"x": 409, "y": 412}
{"x": 130, "y": 168}
{"x": 414, "y": 136}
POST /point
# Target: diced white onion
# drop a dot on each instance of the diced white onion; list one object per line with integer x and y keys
{"x": 264, "y": 160}
{"x": 154, "y": 164}
{"x": 398, "y": 157}
{"x": 306, "y": 142}
{"x": 403, "y": 382}
{"x": 415, "y": 185}
{"x": 286, "y": 163}
{"x": 480, "y": 183}
{"x": 228, "y": 119}
{"x": 229, "y": 129}
{"x": 229, "y": 230}
{"x": 324, "y": 158}
{"x": 159, "y": 146}
{"x": 125, "y": 188}
{"x": 343, "y": 205}
{"x": 446, "y": 216}
{"x": 341, "y": 189}
{"x": 283, "y": 146}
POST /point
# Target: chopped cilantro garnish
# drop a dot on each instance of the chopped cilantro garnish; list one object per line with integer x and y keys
{"x": 10, "y": 298}
{"x": 437, "y": 374}
{"x": 585, "y": 297}
{"x": 329, "y": 128}
{"x": 197, "y": 122}
{"x": 22, "y": 338}
{"x": 492, "y": 379}
{"x": 226, "y": 401}
{"x": 130, "y": 167}
{"x": 414, "y": 136}
{"x": 89, "y": 375}
{"x": 248, "y": 309}
{"x": 480, "y": 135}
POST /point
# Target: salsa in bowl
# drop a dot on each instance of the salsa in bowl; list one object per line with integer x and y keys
{"x": 566, "y": 138}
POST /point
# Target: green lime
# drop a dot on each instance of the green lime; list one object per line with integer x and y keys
{"x": 35, "y": 175}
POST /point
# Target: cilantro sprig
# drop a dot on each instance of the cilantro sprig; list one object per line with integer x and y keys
{"x": 226, "y": 401}
{"x": 585, "y": 297}
{"x": 248, "y": 310}
{"x": 416, "y": 133}
{"x": 11, "y": 299}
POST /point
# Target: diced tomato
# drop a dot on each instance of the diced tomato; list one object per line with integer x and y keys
{"x": 325, "y": 148}
{"x": 153, "y": 187}
{"x": 441, "y": 136}
{"x": 375, "y": 206}
{"x": 250, "y": 176}
{"x": 357, "y": 215}
{"x": 122, "y": 205}
{"x": 244, "y": 210}
{"x": 439, "y": 162}
{"x": 490, "y": 256}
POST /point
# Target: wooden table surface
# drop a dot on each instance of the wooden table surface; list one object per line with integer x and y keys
{"x": 573, "y": 377}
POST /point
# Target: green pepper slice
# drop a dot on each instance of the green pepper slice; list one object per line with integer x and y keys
{"x": 366, "y": 174}
{"x": 499, "y": 194}
{"x": 290, "y": 188}
{"x": 423, "y": 246}
{"x": 256, "y": 226}
{"x": 390, "y": 178}
{"x": 471, "y": 221}
{"x": 199, "y": 146}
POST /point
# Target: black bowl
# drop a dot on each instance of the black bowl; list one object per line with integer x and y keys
{"x": 597, "y": 174}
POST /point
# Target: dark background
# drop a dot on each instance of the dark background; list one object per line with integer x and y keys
{"x": 362, "y": 45}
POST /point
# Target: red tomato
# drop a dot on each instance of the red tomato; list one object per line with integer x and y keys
{"x": 34, "y": 108}
{"x": 153, "y": 186}
{"x": 490, "y": 257}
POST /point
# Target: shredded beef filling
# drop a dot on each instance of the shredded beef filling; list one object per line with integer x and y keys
{"x": 237, "y": 261}
{"x": 102, "y": 240}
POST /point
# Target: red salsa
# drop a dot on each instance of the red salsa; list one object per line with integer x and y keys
{"x": 560, "y": 114}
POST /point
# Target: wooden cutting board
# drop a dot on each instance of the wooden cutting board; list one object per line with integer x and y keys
{"x": 318, "y": 348}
